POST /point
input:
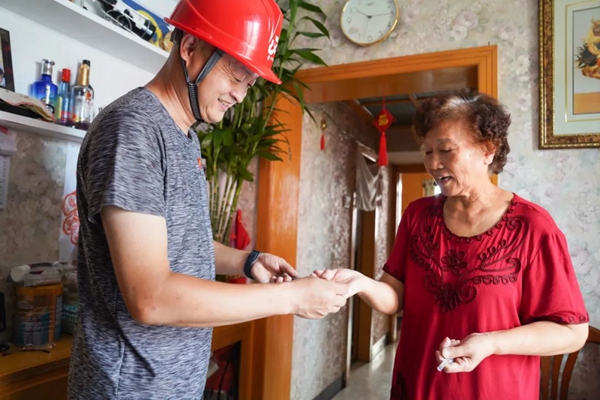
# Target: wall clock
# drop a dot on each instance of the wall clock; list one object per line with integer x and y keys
{"x": 367, "y": 22}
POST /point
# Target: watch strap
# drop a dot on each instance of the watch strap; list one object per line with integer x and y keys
{"x": 250, "y": 261}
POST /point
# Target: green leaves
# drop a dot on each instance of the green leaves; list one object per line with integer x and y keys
{"x": 310, "y": 7}
{"x": 249, "y": 129}
{"x": 309, "y": 54}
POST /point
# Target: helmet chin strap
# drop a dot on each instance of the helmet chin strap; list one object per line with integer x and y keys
{"x": 193, "y": 85}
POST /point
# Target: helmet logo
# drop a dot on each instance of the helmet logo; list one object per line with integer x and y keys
{"x": 273, "y": 48}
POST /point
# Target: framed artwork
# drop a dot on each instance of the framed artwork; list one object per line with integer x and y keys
{"x": 569, "y": 42}
{"x": 6, "y": 71}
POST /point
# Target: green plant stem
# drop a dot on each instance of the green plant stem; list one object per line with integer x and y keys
{"x": 222, "y": 206}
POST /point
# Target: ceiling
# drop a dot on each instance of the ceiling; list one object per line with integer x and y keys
{"x": 402, "y": 106}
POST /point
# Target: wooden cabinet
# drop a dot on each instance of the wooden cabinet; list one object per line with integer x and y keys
{"x": 37, "y": 375}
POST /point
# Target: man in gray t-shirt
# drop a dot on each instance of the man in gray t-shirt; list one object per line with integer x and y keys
{"x": 147, "y": 261}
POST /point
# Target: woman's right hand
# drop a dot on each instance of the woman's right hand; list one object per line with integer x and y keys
{"x": 353, "y": 279}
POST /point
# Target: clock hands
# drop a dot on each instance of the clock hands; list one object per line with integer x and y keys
{"x": 371, "y": 16}
{"x": 366, "y": 15}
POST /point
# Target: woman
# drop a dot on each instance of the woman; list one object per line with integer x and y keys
{"x": 484, "y": 277}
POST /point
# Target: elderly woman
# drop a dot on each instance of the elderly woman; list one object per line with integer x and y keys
{"x": 484, "y": 277}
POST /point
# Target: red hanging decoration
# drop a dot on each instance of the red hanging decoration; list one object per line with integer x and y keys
{"x": 382, "y": 122}
{"x": 323, "y": 127}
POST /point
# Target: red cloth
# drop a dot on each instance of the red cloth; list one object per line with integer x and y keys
{"x": 239, "y": 233}
{"x": 517, "y": 273}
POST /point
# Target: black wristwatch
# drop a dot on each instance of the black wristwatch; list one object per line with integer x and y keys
{"x": 250, "y": 261}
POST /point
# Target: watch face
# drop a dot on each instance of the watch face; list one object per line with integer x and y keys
{"x": 369, "y": 21}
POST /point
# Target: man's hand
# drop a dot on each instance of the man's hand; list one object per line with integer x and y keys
{"x": 270, "y": 268}
{"x": 354, "y": 279}
{"x": 317, "y": 298}
{"x": 467, "y": 353}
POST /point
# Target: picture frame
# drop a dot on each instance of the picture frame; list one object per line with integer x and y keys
{"x": 569, "y": 51}
{"x": 7, "y": 80}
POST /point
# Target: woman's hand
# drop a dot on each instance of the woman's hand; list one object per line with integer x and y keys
{"x": 353, "y": 279}
{"x": 467, "y": 353}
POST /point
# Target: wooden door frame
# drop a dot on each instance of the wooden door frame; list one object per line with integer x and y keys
{"x": 279, "y": 188}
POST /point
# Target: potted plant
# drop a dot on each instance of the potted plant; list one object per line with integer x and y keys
{"x": 249, "y": 130}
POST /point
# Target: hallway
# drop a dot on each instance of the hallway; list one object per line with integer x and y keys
{"x": 371, "y": 381}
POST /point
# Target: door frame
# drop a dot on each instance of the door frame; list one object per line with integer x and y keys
{"x": 278, "y": 186}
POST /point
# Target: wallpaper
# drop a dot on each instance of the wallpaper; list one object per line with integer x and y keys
{"x": 30, "y": 224}
{"x": 562, "y": 181}
{"x": 384, "y": 247}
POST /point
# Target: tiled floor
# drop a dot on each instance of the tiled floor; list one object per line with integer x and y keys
{"x": 371, "y": 381}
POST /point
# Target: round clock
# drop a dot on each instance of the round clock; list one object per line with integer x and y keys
{"x": 367, "y": 22}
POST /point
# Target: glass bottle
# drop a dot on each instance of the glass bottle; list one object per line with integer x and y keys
{"x": 62, "y": 109}
{"x": 82, "y": 97}
{"x": 44, "y": 89}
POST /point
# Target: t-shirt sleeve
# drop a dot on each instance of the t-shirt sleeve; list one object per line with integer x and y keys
{"x": 396, "y": 263}
{"x": 550, "y": 288}
{"x": 125, "y": 166}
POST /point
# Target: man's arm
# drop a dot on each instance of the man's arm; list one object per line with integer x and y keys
{"x": 229, "y": 261}
{"x": 155, "y": 295}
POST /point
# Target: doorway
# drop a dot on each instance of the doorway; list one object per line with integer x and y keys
{"x": 474, "y": 68}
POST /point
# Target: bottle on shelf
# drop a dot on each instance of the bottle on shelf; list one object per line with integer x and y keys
{"x": 62, "y": 109}
{"x": 44, "y": 89}
{"x": 82, "y": 97}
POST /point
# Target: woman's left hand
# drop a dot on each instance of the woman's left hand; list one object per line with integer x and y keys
{"x": 467, "y": 353}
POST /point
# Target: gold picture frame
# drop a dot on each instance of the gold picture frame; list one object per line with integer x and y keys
{"x": 569, "y": 118}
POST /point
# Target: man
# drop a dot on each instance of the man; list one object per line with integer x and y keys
{"x": 147, "y": 262}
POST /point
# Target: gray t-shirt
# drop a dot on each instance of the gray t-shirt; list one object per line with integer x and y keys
{"x": 135, "y": 157}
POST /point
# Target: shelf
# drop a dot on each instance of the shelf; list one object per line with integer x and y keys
{"x": 40, "y": 127}
{"x": 73, "y": 21}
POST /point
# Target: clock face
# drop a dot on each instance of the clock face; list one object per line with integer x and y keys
{"x": 368, "y": 22}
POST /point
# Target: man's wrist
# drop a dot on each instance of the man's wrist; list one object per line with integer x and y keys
{"x": 289, "y": 297}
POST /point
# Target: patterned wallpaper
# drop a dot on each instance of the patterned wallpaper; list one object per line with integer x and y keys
{"x": 558, "y": 180}
{"x": 324, "y": 228}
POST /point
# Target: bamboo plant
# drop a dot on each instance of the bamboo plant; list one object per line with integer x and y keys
{"x": 248, "y": 129}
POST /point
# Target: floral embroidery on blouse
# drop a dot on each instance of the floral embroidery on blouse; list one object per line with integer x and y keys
{"x": 453, "y": 277}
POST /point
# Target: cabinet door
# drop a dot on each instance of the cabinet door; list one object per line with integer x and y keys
{"x": 51, "y": 386}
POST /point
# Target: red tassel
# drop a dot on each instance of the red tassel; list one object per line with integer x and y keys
{"x": 383, "y": 156}
{"x": 323, "y": 141}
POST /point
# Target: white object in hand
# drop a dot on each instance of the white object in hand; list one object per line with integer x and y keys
{"x": 445, "y": 361}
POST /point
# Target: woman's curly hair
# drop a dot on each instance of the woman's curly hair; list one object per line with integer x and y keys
{"x": 487, "y": 119}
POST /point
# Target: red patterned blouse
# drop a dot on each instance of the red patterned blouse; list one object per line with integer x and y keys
{"x": 516, "y": 273}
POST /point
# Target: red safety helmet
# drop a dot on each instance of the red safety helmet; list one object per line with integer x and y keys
{"x": 248, "y": 30}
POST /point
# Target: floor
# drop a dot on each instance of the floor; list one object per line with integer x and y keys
{"x": 371, "y": 381}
